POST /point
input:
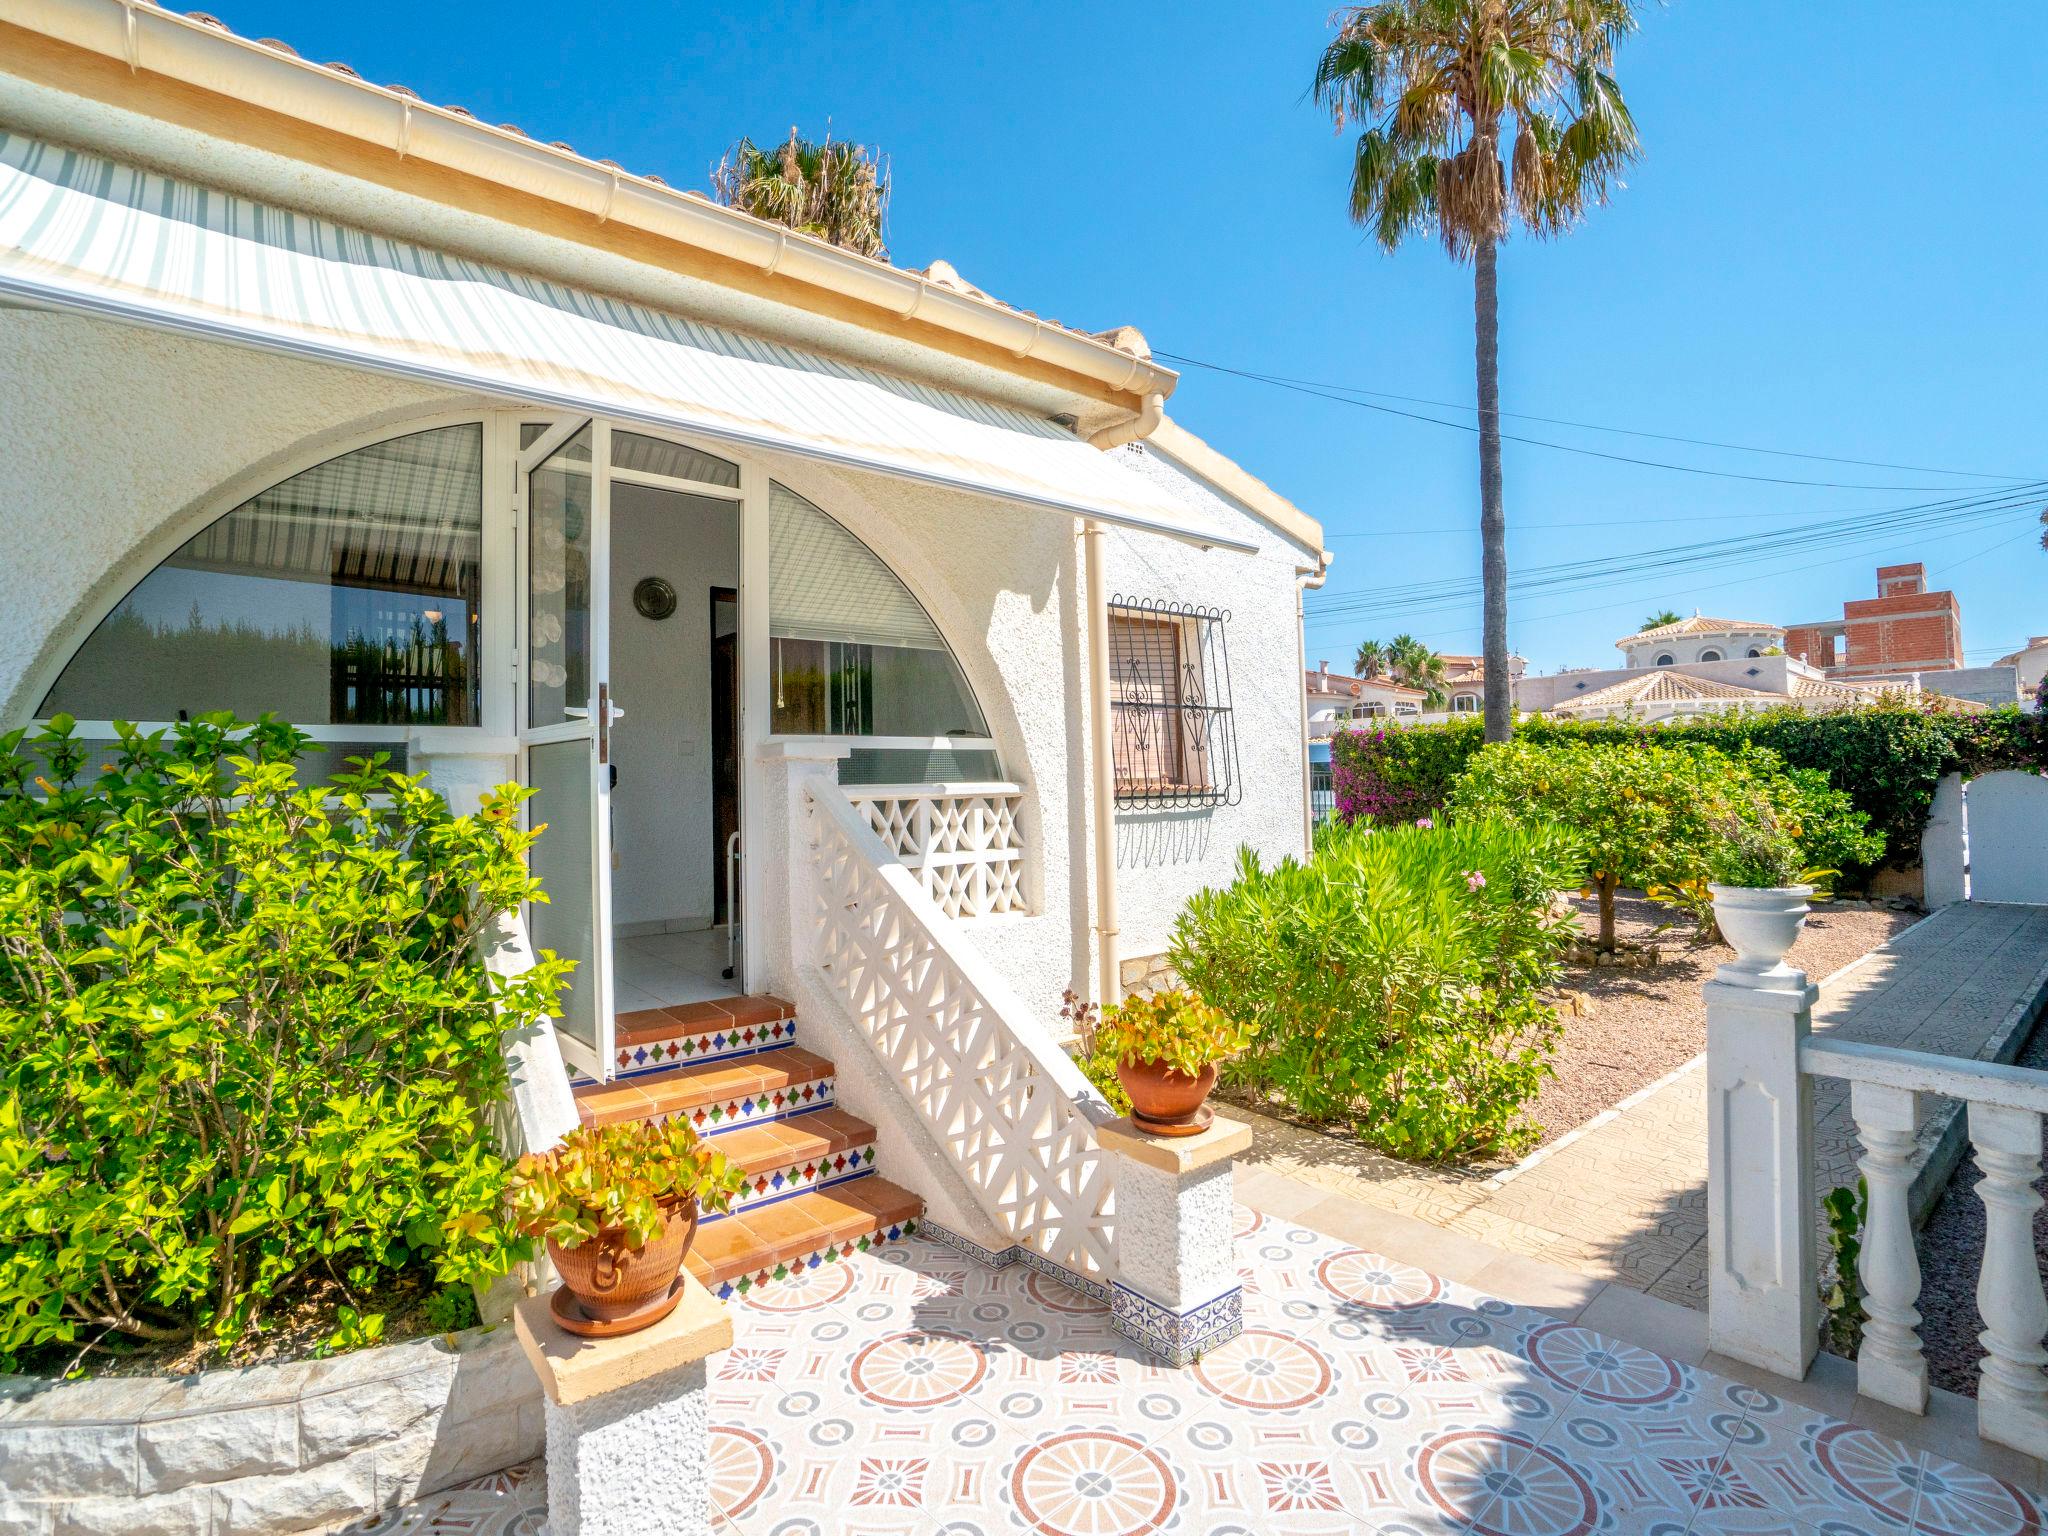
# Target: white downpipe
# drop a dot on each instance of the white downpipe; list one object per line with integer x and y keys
{"x": 1101, "y": 768}
{"x": 1307, "y": 577}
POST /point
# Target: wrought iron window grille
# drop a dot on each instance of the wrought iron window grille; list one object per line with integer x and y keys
{"x": 1173, "y": 734}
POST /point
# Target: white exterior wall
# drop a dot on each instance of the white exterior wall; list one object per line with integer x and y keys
{"x": 121, "y": 440}
{"x": 1772, "y": 674}
{"x": 1733, "y": 646}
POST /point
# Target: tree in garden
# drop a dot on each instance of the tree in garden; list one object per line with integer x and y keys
{"x": 1440, "y": 89}
{"x": 836, "y": 191}
{"x": 1645, "y": 815}
{"x": 1415, "y": 665}
{"x": 1660, "y": 618}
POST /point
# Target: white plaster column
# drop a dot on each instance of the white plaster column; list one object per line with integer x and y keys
{"x": 1176, "y": 1290}
{"x": 628, "y": 1420}
{"x": 1944, "y": 851}
{"x": 463, "y": 775}
{"x": 1763, "y": 1303}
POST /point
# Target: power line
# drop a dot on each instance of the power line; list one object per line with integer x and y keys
{"x": 1974, "y": 508}
{"x": 1342, "y": 392}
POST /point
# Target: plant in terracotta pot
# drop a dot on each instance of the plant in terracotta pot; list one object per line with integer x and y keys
{"x": 618, "y": 1206}
{"x": 1760, "y": 889}
{"x": 1166, "y": 1048}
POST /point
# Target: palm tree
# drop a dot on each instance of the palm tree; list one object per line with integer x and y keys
{"x": 838, "y": 192}
{"x": 1372, "y": 658}
{"x": 1415, "y": 665}
{"x": 1437, "y": 85}
{"x": 1660, "y": 618}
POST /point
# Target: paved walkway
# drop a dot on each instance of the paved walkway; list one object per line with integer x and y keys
{"x": 1623, "y": 1198}
{"x": 913, "y": 1393}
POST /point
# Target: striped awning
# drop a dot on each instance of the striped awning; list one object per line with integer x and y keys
{"x": 87, "y": 234}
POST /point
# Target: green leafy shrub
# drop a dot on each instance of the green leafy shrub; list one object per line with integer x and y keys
{"x": 1847, "y": 1209}
{"x": 1175, "y": 1027}
{"x": 1394, "y": 981}
{"x": 1886, "y": 758}
{"x": 244, "y": 1032}
{"x": 1096, "y": 1061}
{"x": 1759, "y": 855}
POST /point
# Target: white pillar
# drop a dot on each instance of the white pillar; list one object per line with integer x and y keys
{"x": 628, "y": 1420}
{"x": 1763, "y": 1303}
{"x": 1890, "y": 1366}
{"x": 1943, "y": 846}
{"x": 2012, "y": 1394}
{"x": 1176, "y": 1290}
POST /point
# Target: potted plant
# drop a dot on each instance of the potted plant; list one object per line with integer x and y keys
{"x": 618, "y": 1206}
{"x": 1760, "y": 890}
{"x": 1166, "y": 1048}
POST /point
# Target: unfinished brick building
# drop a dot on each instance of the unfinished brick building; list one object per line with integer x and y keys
{"x": 1905, "y": 628}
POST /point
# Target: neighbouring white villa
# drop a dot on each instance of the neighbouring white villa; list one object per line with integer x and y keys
{"x": 1334, "y": 700}
{"x": 1700, "y": 639}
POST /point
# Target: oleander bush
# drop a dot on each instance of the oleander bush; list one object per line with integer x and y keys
{"x": 1655, "y": 817}
{"x": 246, "y": 1037}
{"x": 1886, "y": 758}
{"x": 1395, "y": 982}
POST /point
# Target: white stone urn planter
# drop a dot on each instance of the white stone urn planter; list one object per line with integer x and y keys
{"x": 1762, "y": 924}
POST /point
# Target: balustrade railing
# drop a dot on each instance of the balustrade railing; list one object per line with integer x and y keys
{"x": 1764, "y": 1280}
{"x": 959, "y": 840}
{"x": 1011, "y": 1111}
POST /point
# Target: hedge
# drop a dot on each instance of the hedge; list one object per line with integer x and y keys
{"x": 1887, "y": 758}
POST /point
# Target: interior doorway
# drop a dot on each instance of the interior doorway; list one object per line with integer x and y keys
{"x": 674, "y": 749}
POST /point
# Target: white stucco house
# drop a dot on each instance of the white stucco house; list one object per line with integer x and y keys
{"x": 1700, "y": 639}
{"x": 882, "y": 657}
{"x": 1334, "y": 699}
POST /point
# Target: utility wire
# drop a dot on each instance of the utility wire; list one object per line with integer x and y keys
{"x": 1343, "y": 392}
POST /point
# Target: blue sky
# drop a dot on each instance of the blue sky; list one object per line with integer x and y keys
{"x": 1835, "y": 244}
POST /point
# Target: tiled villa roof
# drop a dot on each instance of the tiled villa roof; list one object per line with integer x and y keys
{"x": 940, "y": 273}
{"x": 1698, "y": 625}
{"x": 1664, "y": 686}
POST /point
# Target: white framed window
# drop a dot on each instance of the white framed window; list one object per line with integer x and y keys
{"x": 1665, "y": 659}
{"x": 1465, "y": 704}
{"x": 1173, "y": 732}
{"x": 1710, "y": 655}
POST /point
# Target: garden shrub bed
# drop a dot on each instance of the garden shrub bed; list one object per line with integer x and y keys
{"x": 248, "y": 1048}
{"x": 1886, "y": 758}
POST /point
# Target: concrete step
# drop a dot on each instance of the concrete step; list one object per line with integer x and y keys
{"x": 787, "y": 1157}
{"x": 715, "y": 1096}
{"x": 652, "y": 1038}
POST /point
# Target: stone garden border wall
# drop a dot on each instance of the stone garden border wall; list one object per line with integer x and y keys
{"x": 304, "y": 1446}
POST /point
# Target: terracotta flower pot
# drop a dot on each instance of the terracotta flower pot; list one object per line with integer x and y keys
{"x": 613, "y": 1283}
{"x": 1162, "y": 1098}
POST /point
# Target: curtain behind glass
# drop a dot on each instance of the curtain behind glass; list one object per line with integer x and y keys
{"x": 346, "y": 595}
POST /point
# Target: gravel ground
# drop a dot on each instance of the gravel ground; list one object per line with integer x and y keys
{"x": 1645, "y": 1022}
{"x": 1951, "y": 1249}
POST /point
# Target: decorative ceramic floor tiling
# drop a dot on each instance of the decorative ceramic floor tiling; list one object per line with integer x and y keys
{"x": 913, "y": 1392}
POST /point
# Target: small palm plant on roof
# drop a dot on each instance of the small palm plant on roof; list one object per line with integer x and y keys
{"x": 835, "y": 190}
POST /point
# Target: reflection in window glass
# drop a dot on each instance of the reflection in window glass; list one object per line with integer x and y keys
{"x": 346, "y": 595}
{"x": 852, "y": 653}
{"x": 558, "y": 575}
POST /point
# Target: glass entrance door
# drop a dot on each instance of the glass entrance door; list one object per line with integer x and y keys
{"x": 566, "y": 714}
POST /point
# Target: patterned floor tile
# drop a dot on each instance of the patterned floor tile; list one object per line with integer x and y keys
{"x": 912, "y": 1391}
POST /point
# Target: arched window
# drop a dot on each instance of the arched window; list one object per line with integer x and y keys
{"x": 1710, "y": 655}
{"x": 853, "y": 653}
{"x": 346, "y": 595}
{"x": 1665, "y": 659}
{"x": 1754, "y": 653}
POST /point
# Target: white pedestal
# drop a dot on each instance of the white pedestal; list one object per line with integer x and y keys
{"x": 1176, "y": 1289}
{"x": 628, "y": 1420}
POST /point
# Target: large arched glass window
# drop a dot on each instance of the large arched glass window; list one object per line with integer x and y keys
{"x": 853, "y": 653}
{"x": 346, "y": 595}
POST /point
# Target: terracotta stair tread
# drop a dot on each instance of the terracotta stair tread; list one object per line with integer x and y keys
{"x": 720, "y": 1013}
{"x": 750, "y": 1241}
{"x": 704, "y": 1082}
{"x": 801, "y": 1138}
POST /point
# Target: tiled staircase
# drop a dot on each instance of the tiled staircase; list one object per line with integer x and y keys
{"x": 733, "y": 1068}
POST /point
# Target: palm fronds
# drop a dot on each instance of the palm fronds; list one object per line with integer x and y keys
{"x": 835, "y": 190}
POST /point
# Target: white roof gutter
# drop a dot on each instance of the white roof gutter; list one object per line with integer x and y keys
{"x": 162, "y": 42}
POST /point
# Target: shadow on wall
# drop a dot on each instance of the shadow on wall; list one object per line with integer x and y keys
{"x": 1157, "y": 839}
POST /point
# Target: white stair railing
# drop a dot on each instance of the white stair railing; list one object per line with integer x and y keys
{"x": 1013, "y": 1114}
{"x": 2005, "y": 1108}
{"x": 960, "y": 840}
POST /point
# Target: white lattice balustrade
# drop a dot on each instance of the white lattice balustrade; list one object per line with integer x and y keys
{"x": 1014, "y": 1114}
{"x": 959, "y": 840}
